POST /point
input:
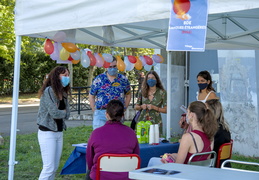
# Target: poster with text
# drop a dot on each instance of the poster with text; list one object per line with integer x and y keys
{"x": 187, "y": 25}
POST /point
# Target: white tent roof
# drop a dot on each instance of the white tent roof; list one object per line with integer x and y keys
{"x": 232, "y": 24}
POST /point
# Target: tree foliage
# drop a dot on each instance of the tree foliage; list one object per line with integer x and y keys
{"x": 35, "y": 64}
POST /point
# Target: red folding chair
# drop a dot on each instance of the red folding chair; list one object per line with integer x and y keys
{"x": 117, "y": 163}
{"x": 225, "y": 152}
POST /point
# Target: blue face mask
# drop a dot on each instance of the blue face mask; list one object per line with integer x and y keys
{"x": 151, "y": 82}
{"x": 65, "y": 81}
{"x": 112, "y": 71}
{"x": 202, "y": 85}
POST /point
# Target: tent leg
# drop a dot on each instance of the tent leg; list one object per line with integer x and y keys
{"x": 168, "y": 117}
{"x": 16, "y": 80}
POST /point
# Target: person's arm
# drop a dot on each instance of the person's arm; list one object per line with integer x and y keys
{"x": 183, "y": 149}
{"x": 127, "y": 99}
{"x": 90, "y": 153}
{"x": 212, "y": 96}
{"x": 92, "y": 102}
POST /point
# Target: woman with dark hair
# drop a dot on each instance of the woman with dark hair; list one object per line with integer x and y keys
{"x": 199, "y": 140}
{"x": 152, "y": 99}
{"x": 53, "y": 111}
{"x": 206, "y": 91}
{"x": 113, "y": 137}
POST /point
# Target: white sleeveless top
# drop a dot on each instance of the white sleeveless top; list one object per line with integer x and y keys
{"x": 204, "y": 100}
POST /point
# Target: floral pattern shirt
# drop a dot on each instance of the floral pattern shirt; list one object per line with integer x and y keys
{"x": 105, "y": 90}
{"x": 159, "y": 100}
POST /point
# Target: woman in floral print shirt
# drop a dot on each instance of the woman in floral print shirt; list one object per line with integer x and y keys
{"x": 152, "y": 99}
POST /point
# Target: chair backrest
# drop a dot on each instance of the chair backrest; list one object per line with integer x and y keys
{"x": 223, "y": 166}
{"x": 208, "y": 162}
{"x": 117, "y": 163}
{"x": 225, "y": 152}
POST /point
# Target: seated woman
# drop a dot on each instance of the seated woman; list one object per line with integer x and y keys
{"x": 200, "y": 139}
{"x": 223, "y": 134}
{"x": 113, "y": 137}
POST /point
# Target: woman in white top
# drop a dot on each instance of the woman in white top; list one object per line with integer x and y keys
{"x": 206, "y": 91}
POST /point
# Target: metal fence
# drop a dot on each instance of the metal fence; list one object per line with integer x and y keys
{"x": 79, "y": 100}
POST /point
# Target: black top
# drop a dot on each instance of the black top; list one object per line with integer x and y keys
{"x": 59, "y": 122}
{"x": 222, "y": 136}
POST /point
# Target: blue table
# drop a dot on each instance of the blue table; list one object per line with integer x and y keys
{"x": 76, "y": 163}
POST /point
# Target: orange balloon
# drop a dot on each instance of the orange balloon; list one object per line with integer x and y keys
{"x": 138, "y": 64}
{"x": 161, "y": 58}
{"x": 120, "y": 64}
{"x": 75, "y": 61}
{"x": 70, "y": 47}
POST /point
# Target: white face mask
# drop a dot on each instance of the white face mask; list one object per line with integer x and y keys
{"x": 187, "y": 119}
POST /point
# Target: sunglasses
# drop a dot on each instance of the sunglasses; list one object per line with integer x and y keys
{"x": 113, "y": 66}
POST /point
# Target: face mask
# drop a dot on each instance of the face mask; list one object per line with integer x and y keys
{"x": 187, "y": 119}
{"x": 202, "y": 86}
{"x": 113, "y": 71}
{"x": 65, "y": 81}
{"x": 151, "y": 82}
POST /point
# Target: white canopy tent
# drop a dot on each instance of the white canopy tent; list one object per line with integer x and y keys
{"x": 232, "y": 24}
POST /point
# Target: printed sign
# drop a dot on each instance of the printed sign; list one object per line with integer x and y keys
{"x": 187, "y": 25}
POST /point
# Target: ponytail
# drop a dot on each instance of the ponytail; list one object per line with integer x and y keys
{"x": 210, "y": 125}
{"x": 205, "y": 118}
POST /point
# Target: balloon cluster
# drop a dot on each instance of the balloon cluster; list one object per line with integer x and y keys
{"x": 66, "y": 52}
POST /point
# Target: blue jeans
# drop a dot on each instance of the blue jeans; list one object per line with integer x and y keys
{"x": 99, "y": 118}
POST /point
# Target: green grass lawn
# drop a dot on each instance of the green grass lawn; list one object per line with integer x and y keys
{"x": 29, "y": 158}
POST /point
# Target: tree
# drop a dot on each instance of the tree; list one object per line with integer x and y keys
{"x": 35, "y": 61}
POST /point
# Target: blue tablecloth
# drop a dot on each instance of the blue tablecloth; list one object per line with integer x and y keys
{"x": 76, "y": 163}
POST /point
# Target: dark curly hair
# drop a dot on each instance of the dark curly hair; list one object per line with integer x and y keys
{"x": 55, "y": 83}
{"x": 145, "y": 87}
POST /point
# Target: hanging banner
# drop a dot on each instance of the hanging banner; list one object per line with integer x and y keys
{"x": 187, "y": 25}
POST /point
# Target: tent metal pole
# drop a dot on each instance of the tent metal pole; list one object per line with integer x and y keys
{"x": 16, "y": 80}
{"x": 168, "y": 117}
{"x": 186, "y": 84}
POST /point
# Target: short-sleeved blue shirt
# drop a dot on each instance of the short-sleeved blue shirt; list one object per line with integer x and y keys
{"x": 105, "y": 90}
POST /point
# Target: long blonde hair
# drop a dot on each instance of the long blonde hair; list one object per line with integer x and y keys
{"x": 217, "y": 109}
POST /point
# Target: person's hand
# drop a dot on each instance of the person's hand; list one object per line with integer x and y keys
{"x": 151, "y": 106}
{"x": 163, "y": 161}
{"x": 143, "y": 106}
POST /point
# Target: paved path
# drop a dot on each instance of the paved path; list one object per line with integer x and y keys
{"x": 26, "y": 121}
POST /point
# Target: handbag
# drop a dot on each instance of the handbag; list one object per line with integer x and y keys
{"x": 134, "y": 120}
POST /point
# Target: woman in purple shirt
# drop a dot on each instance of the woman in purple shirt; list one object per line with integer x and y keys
{"x": 113, "y": 137}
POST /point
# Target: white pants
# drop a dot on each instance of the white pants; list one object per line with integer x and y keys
{"x": 51, "y": 144}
